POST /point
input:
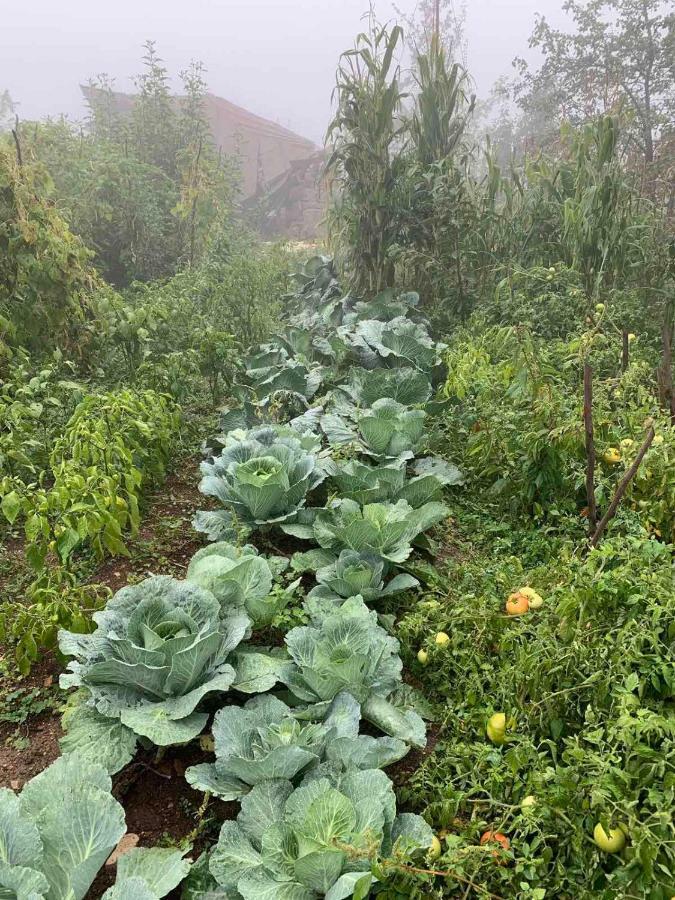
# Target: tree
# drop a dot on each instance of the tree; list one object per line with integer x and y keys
{"x": 617, "y": 58}
{"x": 142, "y": 182}
{"x": 46, "y": 280}
{"x": 7, "y": 112}
{"x": 436, "y": 16}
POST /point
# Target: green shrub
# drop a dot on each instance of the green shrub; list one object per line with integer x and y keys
{"x": 46, "y": 279}
{"x": 586, "y": 683}
{"x": 113, "y": 446}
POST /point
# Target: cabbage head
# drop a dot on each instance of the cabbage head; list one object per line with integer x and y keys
{"x": 356, "y": 480}
{"x": 264, "y": 740}
{"x": 241, "y": 580}
{"x": 405, "y": 385}
{"x": 355, "y": 573}
{"x": 387, "y": 430}
{"x": 319, "y": 840}
{"x": 343, "y": 649}
{"x": 396, "y": 343}
{"x": 386, "y": 530}
{"x": 260, "y": 481}
{"x": 160, "y": 647}
{"x": 256, "y": 742}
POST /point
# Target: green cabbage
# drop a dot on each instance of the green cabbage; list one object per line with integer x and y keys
{"x": 160, "y": 647}
{"x": 260, "y": 481}
{"x": 318, "y": 840}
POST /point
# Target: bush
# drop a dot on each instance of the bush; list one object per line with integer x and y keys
{"x": 113, "y": 446}
{"x": 45, "y": 275}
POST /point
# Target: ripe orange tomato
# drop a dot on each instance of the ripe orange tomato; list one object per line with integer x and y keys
{"x": 496, "y": 837}
{"x": 517, "y": 605}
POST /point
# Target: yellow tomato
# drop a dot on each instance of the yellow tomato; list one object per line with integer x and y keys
{"x": 435, "y": 850}
{"x": 535, "y": 600}
{"x": 611, "y": 456}
{"x": 496, "y": 728}
{"x": 442, "y": 639}
{"x": 422, "y": 657}
{"x": 609, "y": 843}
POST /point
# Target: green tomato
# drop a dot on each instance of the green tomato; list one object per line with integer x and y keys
{"x": 609, "y": 843}
{"x": 435, "y": 849}
{"x": 496, "y": 728}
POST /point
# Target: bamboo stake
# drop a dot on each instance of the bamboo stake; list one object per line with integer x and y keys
{"x": 590, "y": 449}
{"x": 666, "y": 373}
{"x": 622, "y": 487}
{"x": 624, "y": 350}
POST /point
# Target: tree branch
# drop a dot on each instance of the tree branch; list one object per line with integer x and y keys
{"x": 622, "y": 487}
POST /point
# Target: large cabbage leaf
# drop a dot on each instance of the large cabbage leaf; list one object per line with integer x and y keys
{"x": 56, "y": 834}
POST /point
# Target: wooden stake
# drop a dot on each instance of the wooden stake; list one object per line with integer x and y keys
{"x": 666, "y": 372}
{"x": 622, "y": 487}
{"x": 17, "y": 142}
{"x": 624, "y": 350}
{"x": 590, "y": 449}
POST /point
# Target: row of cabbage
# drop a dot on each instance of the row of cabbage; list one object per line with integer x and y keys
{"x": 322, "y": 447}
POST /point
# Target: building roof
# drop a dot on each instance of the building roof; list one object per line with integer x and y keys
{"x": 266, "y": 149}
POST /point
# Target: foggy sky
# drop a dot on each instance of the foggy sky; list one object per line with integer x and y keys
{"x": 274, "y": 57}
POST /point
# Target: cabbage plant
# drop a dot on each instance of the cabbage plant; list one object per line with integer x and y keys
{"x": 386, "y": 430}
{"x": 273, "y": 370}
{"x": 344, "y": 649}
{"x": 319, "y": 840}
{"x": 386, "y": 305}
{"x": 386, "y": 530}
{"x": 261, "y": 481}
{"x": 57, "y": 833}
{"x": 356, "y": 480}
{"x": 256, "y": 742}
{"x": 398, "y": 342}
{"x": 264, "y": 740}
{"x": 361, "y": 574}
{"x": 160, "y": 647}
{"x": 405, "y": 385}
{"x": 251, "y": 421}
{"x": 241, "y": 580}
